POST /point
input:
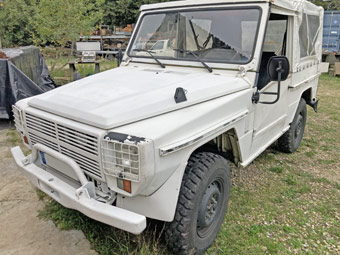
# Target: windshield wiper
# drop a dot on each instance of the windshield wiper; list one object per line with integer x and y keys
{"x": 151, "y": 54}
{"x": 197, "y": 57}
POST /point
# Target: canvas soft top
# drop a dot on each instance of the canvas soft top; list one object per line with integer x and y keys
{"x": 293, "y": 5}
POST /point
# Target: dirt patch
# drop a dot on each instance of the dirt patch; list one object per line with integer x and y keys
{"x": 21, "y": 231}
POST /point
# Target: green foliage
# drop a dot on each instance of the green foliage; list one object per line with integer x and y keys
{"x": 290, "y": 180}
{"x": 44, "y": 22}
{"x": 328, "y": 5}
{"x": 276, "y": 169}
{"x": 15, "y": 22}
{"x": 60, "y": 22}
{"x": 123, "y": 12}
{"x": 23, "y": 22}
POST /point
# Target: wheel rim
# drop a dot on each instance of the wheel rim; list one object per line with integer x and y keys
{"x": 210, "y": 208}
{"x": 299, "y": 126}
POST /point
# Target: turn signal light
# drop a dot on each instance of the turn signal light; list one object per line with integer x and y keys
{"x": 127, "y": 186}
{"x": 124, "y": 185}
{"x": 26, "y": 139}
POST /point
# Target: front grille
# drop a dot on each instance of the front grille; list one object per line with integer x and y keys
{"x": 85, "y": 163}
{"x": 42, "y": 126}
{"x": 17, "y": 113}
{"x": 81, "y": 147}
{"x": 36, "y": 139}
{"x": 78, "y": 139}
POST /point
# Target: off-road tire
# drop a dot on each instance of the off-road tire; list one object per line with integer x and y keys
{"x": 291, "y": 140}
{"x": 206, "y": 174}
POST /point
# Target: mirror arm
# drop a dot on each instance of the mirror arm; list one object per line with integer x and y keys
{"x": 256, "y": 96}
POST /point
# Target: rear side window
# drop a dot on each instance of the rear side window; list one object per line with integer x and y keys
{"x": 308, "y": 33}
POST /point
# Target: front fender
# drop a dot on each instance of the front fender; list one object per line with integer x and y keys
{"x": 160, "y": 205}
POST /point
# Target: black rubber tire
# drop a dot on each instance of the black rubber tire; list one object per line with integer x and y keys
{"x": 291, "y": 140}
{"x": 204, "y": 169}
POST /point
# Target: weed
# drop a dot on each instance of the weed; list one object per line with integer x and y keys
{"x": 321, "y": 180}
{"x": 304, "y": 189}
{"x": 290, "y": 180}
{"x": 41, "y": 195}
{"x": 326, "y": 161}
{"x": 278, "y": 200}
{"x": 255, "y": 229}
{"x": 309, "y": 154}
{"x": 276, "y": 169}
{"x": 290, "y": 193}
{"x": 288, "y": 229}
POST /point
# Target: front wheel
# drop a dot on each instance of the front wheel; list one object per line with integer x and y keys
{"x": 202, "y": 204}
{"x": 291, "y": 140}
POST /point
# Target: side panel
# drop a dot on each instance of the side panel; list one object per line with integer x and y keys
{"x": 306, "y": 70}
{"x": 307, "y": 79}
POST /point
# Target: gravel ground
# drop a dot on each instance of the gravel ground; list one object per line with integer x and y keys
{"x": 4, "y": 124}
{"x": 21, "y": 231}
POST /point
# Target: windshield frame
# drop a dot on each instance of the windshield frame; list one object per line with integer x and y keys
{"x": 210, "y": 8}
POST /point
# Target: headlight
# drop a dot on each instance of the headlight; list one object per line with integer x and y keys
{"x": 121, "y": 159}
{"x": 128, "y": 163}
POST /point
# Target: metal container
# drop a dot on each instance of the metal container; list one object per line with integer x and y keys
{"x": 331, "y": 32}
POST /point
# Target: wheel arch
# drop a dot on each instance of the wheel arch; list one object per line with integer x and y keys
{"x": 155, "y": 206}
{"x": 307, "y": 95}
{"x": 225, "y": 144}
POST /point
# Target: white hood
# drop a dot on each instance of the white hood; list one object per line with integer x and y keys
{"x": 127, "y": 94}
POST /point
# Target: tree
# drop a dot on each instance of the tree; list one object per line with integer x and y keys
{"x": 123, "y": 12}
{"x": 23, "y": 22}
{"x": 16, "y": 22}
{"x": 60, "y": 22}
{"x": 328, "y": 5}
{"x": 109, "y": 12}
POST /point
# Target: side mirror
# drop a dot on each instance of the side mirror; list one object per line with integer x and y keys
{"x": 278, "y": 66}
{"x": 278, "y": 70}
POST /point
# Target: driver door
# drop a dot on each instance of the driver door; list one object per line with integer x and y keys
{"x": 270, "y": 119}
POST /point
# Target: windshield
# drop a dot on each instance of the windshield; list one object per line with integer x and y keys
{"x": 224, "y": 35}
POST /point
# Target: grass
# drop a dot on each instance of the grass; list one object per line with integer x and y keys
{"x": 280, "y": 204}
{"x": 276, "y": 169}
{"x": 60, "y": 71}
{"x": 104, "y": 239}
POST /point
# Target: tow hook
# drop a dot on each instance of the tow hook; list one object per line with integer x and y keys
{"x": 86, "y": 190}
{"x": 314, "y": 104}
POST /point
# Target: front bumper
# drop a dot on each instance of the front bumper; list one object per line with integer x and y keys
{"x": 82, "y": 199}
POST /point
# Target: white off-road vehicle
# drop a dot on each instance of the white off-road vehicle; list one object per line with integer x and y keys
{"x": 153, "y": 138}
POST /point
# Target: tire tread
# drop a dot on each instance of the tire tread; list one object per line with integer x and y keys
{"x": 176, "y": 233}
